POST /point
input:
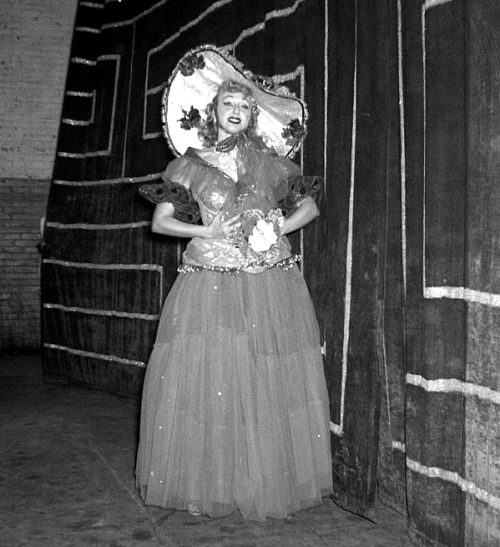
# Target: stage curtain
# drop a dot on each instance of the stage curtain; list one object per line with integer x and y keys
{"x": 402, "y": 264}
{"x": 452, "y": 54}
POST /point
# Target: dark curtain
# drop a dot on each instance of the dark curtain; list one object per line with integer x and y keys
{"x": 402, "y": 264}
{"x": 452, "y": 55}
{"x": 361, "y": 224}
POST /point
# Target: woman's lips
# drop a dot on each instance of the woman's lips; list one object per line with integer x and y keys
{"x": 234, "y": 120}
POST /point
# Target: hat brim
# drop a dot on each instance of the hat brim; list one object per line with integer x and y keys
{"x": 197, "y": 87}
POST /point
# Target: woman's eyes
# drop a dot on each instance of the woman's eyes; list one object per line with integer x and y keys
{"x": 243, "y": 106}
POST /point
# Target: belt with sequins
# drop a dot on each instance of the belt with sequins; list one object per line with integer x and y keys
{"x": 284, "y": 264}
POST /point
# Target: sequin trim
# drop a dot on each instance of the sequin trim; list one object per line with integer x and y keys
{"x": 285, "y": 264}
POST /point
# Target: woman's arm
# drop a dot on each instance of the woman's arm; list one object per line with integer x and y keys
{"x": 165, "y": 223}
{"x": 303, "y": 215}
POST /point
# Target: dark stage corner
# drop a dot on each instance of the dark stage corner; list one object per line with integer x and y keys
{"x": 67, "y": 459}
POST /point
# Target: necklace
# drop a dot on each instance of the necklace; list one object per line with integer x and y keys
{"x": 228, "y": 144}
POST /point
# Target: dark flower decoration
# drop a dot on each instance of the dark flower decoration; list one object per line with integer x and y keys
{"x": 294, "y": 132}
{"x": 190, "y": 119}
{"x": 191, "y": 63}
{"x": 262, "y": 81}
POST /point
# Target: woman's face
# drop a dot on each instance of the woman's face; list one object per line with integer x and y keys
{"x": 233, "y": 113}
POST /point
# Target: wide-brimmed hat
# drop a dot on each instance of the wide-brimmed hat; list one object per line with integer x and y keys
{"x": 194, "y": 83}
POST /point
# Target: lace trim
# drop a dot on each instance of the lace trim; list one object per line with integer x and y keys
{"x": 300, "y": 187}
{"x": 285, "y": 264}
{"x": 186, "y": 208}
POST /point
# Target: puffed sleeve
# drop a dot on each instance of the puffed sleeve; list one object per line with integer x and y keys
{"x": 300, "y": 187}
{"x": 290, "y": 187}
{"x": 178, "y": 179}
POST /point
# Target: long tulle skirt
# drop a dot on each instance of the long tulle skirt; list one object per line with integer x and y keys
{"x": 235, "y": 408}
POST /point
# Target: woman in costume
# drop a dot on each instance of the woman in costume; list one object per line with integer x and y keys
{"x": 235, "y": 409}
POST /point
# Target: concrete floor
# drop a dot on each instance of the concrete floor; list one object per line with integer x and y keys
{"x": 66, "y": 480}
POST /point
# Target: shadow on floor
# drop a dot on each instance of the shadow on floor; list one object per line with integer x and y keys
{"x": 66, "y": 476}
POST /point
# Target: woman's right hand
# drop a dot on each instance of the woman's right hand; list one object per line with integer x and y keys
{"x": 223, "y": 229}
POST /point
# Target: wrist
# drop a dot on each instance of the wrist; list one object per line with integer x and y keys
{"x": 281, "y": 229}
{"x": 207, "y": 232}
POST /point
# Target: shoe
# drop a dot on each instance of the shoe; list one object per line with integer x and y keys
{"x": 193, "y": 510}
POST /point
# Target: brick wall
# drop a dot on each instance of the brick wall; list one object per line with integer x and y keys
{"x": 35, "y": 41}
{"x": 22, "y": 206}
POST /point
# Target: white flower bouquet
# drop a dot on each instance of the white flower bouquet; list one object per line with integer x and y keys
{"x": 258, "y": 233}
{"x": 263, "y": 236}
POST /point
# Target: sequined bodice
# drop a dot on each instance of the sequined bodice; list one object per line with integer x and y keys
{"x": 211, "y": 202}
{"x": 215, "y": 191}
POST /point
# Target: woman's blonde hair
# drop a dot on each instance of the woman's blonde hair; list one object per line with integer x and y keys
{"x": 208, "y": 129}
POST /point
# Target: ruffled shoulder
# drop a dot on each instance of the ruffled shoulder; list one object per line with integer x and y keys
{"x": 264, "y": 169}
{"x": 184, "y": 170}
{"x": 288, "y": 185}
{"x": 176, "y": 188}
{"x": 300, "y": 187}
{"x": 286, "y": 167}
{"x": 186, "y": 208}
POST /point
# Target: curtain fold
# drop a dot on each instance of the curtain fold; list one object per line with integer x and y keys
{"x": 452, "y": 434}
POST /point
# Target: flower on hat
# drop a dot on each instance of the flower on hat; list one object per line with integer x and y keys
{"x": 294, "y": 132}
{"x": 190, "y": 119}
{"x": 190, "y": 63}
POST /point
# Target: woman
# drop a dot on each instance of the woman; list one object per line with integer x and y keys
{"x": 235, "y": 409}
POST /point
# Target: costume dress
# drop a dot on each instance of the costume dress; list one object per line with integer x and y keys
{"x": 235, "y": 408}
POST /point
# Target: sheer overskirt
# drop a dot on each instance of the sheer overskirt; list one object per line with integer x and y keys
{"x": 235, "y": 409}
